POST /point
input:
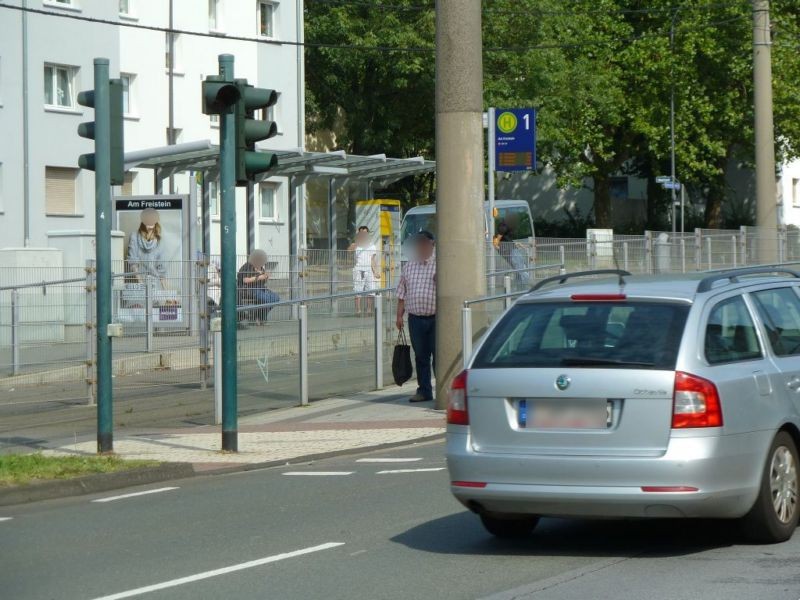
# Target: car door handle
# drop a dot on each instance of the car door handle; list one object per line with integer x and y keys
{"x": 794, "y": 384}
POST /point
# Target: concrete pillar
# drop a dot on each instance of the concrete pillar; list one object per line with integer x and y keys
{"x": 459, "y": 162}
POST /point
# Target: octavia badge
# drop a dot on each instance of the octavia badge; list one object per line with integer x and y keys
{"x": 562, "y": 382}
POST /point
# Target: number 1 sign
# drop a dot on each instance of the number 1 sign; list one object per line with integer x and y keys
{"x": 515, "y": 139}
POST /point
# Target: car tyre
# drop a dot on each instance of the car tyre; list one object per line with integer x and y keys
{"x": 774, "y": 516}
{"x": 509, "y": 528}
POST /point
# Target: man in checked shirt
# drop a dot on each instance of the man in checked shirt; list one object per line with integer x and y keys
{"x": 416, "y": 294}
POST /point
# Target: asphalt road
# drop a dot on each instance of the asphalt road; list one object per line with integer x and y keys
{"x": 356, "y": 533}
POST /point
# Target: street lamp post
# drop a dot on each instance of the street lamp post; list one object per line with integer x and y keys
{"x": 672, "y": 115}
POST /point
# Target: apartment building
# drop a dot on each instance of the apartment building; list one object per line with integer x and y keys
{"x": 47, "y": 49}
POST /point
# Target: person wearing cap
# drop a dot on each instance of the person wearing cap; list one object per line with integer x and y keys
{"x": 416, "y": 295}
{"x": 145, "y": 252}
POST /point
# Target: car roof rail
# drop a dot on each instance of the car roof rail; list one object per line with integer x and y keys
{"x": 564, "y": 277}
{"x": 733, "y": 275}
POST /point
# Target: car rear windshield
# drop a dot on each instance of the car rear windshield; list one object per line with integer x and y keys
{"x": 625, "y": 334}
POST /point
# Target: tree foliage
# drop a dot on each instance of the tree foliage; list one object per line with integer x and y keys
{"x": 601, "y": 73}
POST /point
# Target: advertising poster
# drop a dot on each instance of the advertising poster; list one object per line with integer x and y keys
{"x": 153, "y": 228}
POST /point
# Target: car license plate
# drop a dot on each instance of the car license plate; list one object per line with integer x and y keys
{"x": 564, "y": 414}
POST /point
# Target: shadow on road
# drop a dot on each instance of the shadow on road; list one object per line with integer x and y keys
{"x": 462, "y": 533}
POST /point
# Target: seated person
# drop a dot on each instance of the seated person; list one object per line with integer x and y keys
{"x": 252, "y": 281}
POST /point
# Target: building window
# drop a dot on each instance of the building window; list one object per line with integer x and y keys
{"x": 213, "y": 15}
{"x": 127, "y": 88}
{"x": 59, "y": 86}
{"x": 59, "y": 190}
{"x": 214, "y": 120}
{"x": 125, "y": 7}
{"x": 796, "y": 192}
{"x": 266, "y": 18}
{"x": 213, "y": 198}
{"x": 127, "y": 184}
{"x": 266, "y": 194}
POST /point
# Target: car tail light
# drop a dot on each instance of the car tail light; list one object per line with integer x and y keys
{"x": 457, "y": 413}
{"x": 597, "y": 297}
{"x": 695, "y": 403}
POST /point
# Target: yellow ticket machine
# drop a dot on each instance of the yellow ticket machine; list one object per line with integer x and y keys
{"x": 383, "y": 218}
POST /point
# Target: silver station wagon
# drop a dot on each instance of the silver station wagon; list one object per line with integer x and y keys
{"x": 635, "y": 396}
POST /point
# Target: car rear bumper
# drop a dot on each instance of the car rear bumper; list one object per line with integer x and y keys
{"x": 725, "y": 471}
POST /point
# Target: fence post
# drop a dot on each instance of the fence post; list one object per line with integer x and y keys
{"x": 782, "y": 245}
{"x": 592, "y": 251}
{"x": 648, "y": 251}
{"x": 203, "y": 317}
{"x": 15, "y": 367}
{"x": 148, "y": 313}
{"x": 378, "y": 341}
{"x": 683, "y": 255}
{"x": 625, "y": 255}
{"x": 302, "y": 347}
{"x": 466, "y": 334}
{"x": 89, "y": 329}
{"x": 743, "y": 245}
{"x": 733, "y": 247}
{"x": 698, "y": 250}
{"x": 563, "y": 258}
{"x": 217, "y": 377}
{"x": 710, "y": 259}
{"x": 507, "y": 290}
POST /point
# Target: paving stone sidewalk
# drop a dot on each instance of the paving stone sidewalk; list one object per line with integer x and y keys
{"x": 329, "y": 426}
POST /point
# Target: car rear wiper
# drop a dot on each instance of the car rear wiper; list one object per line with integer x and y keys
{"x": 578, "y": 361}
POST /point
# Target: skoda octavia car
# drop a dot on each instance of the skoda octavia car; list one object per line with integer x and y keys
{"x": 623, "y": 396}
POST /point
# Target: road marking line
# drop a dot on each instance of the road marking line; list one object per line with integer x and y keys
{"x": 319, "y": 473}
{"x": 6, "y": 518}
{"x": 216, "y": 572}
{"x": 393, "y": 471}
{"x": 134, "y": 494}
{"x": 388, "y": 460}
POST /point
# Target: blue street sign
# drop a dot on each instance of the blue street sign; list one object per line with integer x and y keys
{"x": 515, "y": 139}
{"x": 671, "y": 185}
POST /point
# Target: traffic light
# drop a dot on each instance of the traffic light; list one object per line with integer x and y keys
{"x": 219, "y": 96}
{"x": 116, "y": 130}
{"x": 250, "y": 130}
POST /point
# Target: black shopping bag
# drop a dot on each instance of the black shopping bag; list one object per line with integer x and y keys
{"x": 401, "y": 360}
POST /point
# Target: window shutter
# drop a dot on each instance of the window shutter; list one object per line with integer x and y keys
{"x": 60, "y": 190}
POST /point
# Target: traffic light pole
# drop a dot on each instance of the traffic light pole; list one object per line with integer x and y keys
{"x": 227, "y": 175}
{"x": 102, "y": 224}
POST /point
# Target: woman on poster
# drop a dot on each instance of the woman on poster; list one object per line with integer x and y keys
{"x": 145, "y": 251}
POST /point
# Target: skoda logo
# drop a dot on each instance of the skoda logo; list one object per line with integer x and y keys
{"x": 562, "y": 382}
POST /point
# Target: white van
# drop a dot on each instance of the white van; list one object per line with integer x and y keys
{"x": 513, "y": 217}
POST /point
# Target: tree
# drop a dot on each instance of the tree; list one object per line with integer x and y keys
{"x": 600, "y": 71}
{"x": 374, "y": 99}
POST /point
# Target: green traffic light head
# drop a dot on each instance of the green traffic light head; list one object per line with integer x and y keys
{"x": 86, "y": 98}
{"x": 257, "y": 98}
{"x": 219, "y": 96}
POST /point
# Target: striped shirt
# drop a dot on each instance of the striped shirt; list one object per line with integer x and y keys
{"x": 418, "y": 287}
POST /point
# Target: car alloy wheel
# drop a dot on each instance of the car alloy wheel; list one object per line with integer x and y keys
{"x": 783, "y": 484}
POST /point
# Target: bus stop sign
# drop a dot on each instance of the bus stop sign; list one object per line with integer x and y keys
{"x": 515, "y": 139}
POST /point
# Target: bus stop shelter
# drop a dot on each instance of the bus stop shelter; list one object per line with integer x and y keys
{"x": 299, "y": 166}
